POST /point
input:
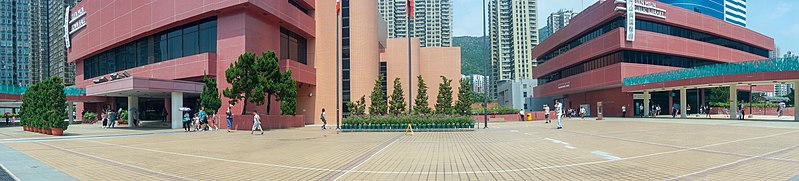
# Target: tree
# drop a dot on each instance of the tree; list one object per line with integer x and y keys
{"x": 444, "y": 99}
{"x": 378, "y": 102}
{"x": 287, "y": 93}
{"x": 397, "y": 102}
{"x": 256, "y": 79}
{"x": 244, "y": 80}
{"x": 720, "y": 94}
{"x": 421, "y": 106}
{"x": 358, "y": 107}
{"x": 209, "y": 98}
{"x": 462, "y": 106}
{"x": 43, "y": 104}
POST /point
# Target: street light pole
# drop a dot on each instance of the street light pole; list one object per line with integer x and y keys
{"x": 750, "y": 101}
{"x": 485, "y": 71}
{"x": 408, "y": 25}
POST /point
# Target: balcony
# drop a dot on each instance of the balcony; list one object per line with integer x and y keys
{"x": 302, "y": 73}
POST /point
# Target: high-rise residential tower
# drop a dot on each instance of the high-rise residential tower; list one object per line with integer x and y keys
{"x": 23, "y": 25}
{"x": 57, "y": 64}
{"x": 432, "y": 21}
{"x": 513, "y": 32}
{"x": 732, "y": 11}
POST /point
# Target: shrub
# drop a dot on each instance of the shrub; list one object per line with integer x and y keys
{"x": 497, "y": 110}
{"x": 402, "y": 121}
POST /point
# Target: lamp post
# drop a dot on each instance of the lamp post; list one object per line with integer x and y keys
{"x": 338, "y": 101}
{"x": 485, "y": 70}
{"x": 750, "y": 100}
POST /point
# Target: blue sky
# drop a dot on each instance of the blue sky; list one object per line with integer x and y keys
{"x": 770, "y": 17}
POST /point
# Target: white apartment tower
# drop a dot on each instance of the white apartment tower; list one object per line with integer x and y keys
{"x": 558, "y": 20}
{"x": 513, "y": 32}
{"x": 432, "y": 22}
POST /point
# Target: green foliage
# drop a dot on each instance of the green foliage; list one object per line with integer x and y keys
{"x": 89, "y": 116}
{"x": 792, "y": 99}
{"x": 124, "y": 115}
{"x": 727, "y": 104}
{"x": 358, "y": 107}
{"x": 243, "y": 79}
{"x": 478, "y": 97}
{"x": 209, "y": 98}
{"x": 287, "y": 94}
{"x": 43, "y": 104}
{"x": 497, "y": 110}
{"x": 378, "y": 102}
{"x": 462, "y": 106}
{"x": 472, "y": 60}
{"x": 444, "y": 99}
{"x": 421, "y": 106}
{"x": 397, "y": 102}
{"x": 402, "y": 121}
{"x": 256, "y": 79}
{"x": 719, "y": 94}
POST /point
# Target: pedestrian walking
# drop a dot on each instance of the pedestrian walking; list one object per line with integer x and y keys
{"x": 582, "y": 113}
{"x": 707, "y": 110}
{"x": 688, "y": 110}
{"x": 112, "y": 118}
{"x": 559, "y": 112}
{"x": 256, "y": 123}
{"x": 780, "y": 108}
{"x": 229, "y": 117}
{"x": 214, "y": 124}
{"x": 203, "y": 119}
{"x": 674, "y": 109}
{"x": 104, "y": 118}
{"x": 324, "y": 121}
{"x": 641, "y": 108}
{"x": 186, "y": 122}
{"x": 623, "y": 111}
{"x": 741, "y": 110}
{"x": 546, "y": 113}
{"x": 657, "y": 110}
{"x": 521, "y": 115}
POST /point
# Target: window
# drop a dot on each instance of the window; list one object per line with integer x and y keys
{"x": 193, "y": 38}
{"x": 293, "y": 46}
{"x": 190, "y": 40}
{"x": 174, "y": 44}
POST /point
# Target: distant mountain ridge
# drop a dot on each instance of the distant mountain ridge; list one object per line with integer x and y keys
{"x": 471, "y": 54}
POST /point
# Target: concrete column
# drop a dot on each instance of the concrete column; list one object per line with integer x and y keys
{"x": 733, "y": 101}
{"x": 683, "y": 102}
{"x": 71, "y": 109}
{"x": 133, "y": 110}
{"x": 795, "y": 95}
{"x": 175, "y": 113}
{"x": 646, "y": 103}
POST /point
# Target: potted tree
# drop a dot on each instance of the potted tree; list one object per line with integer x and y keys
{"x": 58, "y": 127}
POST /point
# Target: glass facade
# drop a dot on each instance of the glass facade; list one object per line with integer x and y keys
{"x": 345, "y": 57}
{"x": 714, "y": 8}
{"x": 190, "y": 39}
{"x": 657, "y": 28}
{"x": 293, "y": 46}
{"x": 628, "y": 57}
{"x": 23, "y": 40}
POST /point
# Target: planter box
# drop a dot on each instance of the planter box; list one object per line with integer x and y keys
{"x": 401, "y": 128}
{"x": 245, "y": 122}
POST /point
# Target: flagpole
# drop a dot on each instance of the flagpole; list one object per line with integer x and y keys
{"x": 410, "y": 77}
{"x": 338, "y": 101}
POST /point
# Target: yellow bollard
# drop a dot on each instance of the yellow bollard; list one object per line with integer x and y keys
{"x": 410, "y": 128}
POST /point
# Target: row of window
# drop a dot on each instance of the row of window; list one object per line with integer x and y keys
{"x": 293, "y": 46}
{"x": 190, "y": 39}
{"x": 628, "y": 57}
{"x": 657, "y": 28}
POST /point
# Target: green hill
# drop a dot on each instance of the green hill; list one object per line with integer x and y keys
{"x": 471, "y": 57}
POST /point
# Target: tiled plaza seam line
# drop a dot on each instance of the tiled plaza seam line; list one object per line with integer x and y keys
{"x": 475, "y": 172}
{"x": 9, "y": 172}
{"x": 680, "y": 147}
{"x": 733, "y": 163}
{"x": 132, "y": 167}
{"x": 41, "y": 139}
{"x": 395, "y": 139}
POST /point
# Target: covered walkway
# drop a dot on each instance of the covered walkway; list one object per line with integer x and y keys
{"x": 732, "y": 75}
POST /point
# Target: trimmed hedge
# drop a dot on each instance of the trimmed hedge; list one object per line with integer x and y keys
{"x": 402, "y": 121}
{"x": 726, "y": 104}
{"x": 497, "y": 110}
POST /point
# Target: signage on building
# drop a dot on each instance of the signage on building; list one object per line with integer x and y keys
{"x": 633, "y": 7}
{"x": 564, "y": 85}
{"x": 630, "y": 26}
{"x": 73, "y": 23}
{"x": 640, "y": 96}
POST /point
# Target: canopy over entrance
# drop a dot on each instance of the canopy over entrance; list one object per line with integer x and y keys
{"x": 143, "y": 87}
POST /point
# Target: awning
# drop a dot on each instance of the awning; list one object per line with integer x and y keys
{"x": 143, "y": 87}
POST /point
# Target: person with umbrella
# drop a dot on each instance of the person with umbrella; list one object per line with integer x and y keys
{"x": 186, "y": 118}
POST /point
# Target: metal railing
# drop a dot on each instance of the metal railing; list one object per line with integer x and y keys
{"x": 14, "y": 89}
{"x": 757, "y": 66}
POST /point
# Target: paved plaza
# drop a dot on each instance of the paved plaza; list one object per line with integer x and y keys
{"x": 612, "y": 149}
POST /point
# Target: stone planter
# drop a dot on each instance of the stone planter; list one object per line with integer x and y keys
{"x": 48, "y": 131}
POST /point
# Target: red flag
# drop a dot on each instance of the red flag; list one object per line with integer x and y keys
{"x": 338, "y": 7}
{"x": 410, "y": 9}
